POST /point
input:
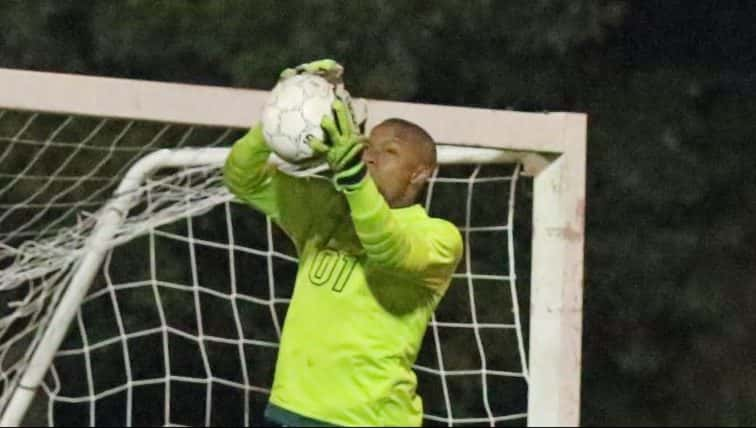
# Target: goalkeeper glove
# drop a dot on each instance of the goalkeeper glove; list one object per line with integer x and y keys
{"x": 343, "y": 150}
{"x": 326, "y": 68}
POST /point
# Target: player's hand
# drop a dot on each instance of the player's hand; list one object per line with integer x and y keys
{"x": 342, "y": 147}
{"x": 326, "y": 68}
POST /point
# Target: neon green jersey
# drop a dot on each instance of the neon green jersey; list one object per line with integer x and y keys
{"x": 369, "y": 279}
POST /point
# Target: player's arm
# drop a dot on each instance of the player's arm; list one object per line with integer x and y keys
{"x": 247, "y": 173}
{"x": 293, "y": 203}
{"x": 431, "y": 251}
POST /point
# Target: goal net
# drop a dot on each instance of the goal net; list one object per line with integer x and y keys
{"x": 135, "y": 291}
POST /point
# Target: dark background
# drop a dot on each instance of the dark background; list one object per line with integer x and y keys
{"x": 670, "y": 89}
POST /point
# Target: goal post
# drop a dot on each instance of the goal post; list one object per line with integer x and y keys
{"x": 550, "y": 147}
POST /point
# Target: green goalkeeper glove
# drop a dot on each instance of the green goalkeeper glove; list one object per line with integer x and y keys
{"x": 343, "y": 150}
{"x": 326, "y": 68}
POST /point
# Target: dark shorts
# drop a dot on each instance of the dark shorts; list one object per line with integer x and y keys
{"x": 279, "y": 417}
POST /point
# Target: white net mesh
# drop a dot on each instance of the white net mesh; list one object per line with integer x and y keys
{"x": 181, "y": 325}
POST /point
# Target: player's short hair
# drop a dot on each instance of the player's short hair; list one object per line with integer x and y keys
{"x": 413, "y": 133}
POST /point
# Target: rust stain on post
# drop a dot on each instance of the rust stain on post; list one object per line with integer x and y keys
{"x": 567, "y": 233}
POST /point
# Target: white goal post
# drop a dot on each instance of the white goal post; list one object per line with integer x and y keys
{"x": 551, "y": 147}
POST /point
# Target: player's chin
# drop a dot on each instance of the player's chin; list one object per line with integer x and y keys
{"x": 392, "y": 196}
{"x": 382, "y": 189}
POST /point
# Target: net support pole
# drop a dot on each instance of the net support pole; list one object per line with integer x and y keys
{"x": 110, "y": 219}
{"x": 62, "y": 317}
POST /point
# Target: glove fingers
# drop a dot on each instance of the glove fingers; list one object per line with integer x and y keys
{"x": 343, "y": 117}
{"x": 317, "y": 65}
{"x": 327, "y": 68}
{"x": 318, "y": 145}
{"x": 349, "y": 155}
{"x": 287, "y": 73}
{"x": 329, "y": 126}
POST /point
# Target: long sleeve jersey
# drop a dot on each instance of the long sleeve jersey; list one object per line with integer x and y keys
{"x": 369, "y": 279}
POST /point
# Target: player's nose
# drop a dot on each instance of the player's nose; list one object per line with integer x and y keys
{"x": 367, "y": 157}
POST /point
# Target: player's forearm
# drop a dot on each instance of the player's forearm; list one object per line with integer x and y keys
{"x": 246, "y": 168}
{"x": 383, "y": 238}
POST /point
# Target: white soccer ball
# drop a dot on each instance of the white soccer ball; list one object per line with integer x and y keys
{"x": 293, "y": 113}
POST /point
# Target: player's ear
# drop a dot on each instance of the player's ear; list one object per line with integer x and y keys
{"x": 421, "y": 175}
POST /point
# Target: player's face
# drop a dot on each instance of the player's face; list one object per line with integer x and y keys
{"x": 393, "y": 165}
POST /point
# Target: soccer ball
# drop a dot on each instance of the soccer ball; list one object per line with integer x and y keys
{"x": 293, "y": 113}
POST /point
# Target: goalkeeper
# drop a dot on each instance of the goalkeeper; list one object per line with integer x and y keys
{"x": 372, "y": 268}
